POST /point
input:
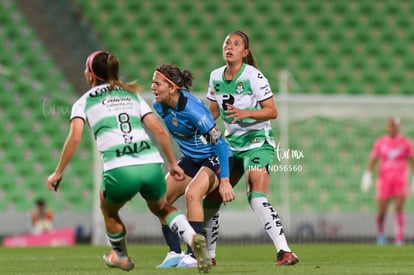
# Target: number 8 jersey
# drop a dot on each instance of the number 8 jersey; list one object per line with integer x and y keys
{"x": 245, "y": 91}
{"x": 115, "y": 118}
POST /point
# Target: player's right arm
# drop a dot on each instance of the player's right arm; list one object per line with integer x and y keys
{"x": 69, "y": 149}
{"x": 214, "y": 109}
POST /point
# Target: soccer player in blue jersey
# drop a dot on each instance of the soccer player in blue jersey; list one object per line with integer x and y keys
{"x": 116, "y": 114}
{"x": 206, "y": 155}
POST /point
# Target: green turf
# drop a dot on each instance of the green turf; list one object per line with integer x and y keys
{"x": 232, "y": 259}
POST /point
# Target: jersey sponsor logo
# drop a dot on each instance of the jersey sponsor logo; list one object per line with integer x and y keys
{"x": 99, "y": 91}
{"x": 264, "y": 87}
{"x": 116, "y": 100}
{"x": 256, "y": 160}
{"x": 127, "y": 138}
{"x": 227, "y": 99}
{"x": 133, "y": 148}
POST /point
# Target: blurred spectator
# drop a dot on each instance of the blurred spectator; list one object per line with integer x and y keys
{"x": 42, "y": 218}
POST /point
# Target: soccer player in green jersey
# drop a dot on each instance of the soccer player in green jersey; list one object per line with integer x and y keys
{"x": 116, "y": 114}
{"x": 241, "y": 95}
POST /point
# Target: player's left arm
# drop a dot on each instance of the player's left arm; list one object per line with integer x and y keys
{"x": 69, "y": 149}
{"x": 215, "y": 138}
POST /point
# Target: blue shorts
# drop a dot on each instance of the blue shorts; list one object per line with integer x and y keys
{"x": 192, "y": 167}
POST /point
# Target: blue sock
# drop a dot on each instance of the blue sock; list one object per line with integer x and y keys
{"x": 172, "y": 239}
{"x": 198, "y": 228}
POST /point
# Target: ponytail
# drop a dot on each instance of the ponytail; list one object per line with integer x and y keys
{"x": 175, "y": 76}
{"x": 187, "y": 79}
{"x": 104, "y": 66}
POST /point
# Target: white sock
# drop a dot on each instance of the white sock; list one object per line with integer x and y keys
{"x": 179, "y": 224}
{"x": 211, "y": 229}
{"x": 270, "y": 221}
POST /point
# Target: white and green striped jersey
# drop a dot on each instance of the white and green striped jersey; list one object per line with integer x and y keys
{"x": 115, "y": 118}
{"x": 245, "y": 91}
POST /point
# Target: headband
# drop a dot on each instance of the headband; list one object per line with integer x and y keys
{"x": 90, "y": 61}
{"x": 167, "y": 79}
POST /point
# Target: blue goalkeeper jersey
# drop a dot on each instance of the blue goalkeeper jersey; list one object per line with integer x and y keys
{"x": 189, "y": 122}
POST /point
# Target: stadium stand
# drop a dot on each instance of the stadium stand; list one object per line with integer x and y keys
{"x": 34, "y": 112}
{"x": 320, "y": 43}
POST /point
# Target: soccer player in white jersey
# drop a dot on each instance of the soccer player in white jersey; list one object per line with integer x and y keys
{"x": 241, "y": 95}
{"x": 116, "y": 114}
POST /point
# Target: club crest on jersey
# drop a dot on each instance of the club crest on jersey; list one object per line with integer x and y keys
{"x": 239, "y": 88}
{"x": 175, "y": 121}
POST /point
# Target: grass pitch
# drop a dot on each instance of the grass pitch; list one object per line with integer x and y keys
{"x": 231, "y": 259}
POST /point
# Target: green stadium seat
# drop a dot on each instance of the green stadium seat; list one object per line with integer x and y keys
{"x": 335, "y": 47}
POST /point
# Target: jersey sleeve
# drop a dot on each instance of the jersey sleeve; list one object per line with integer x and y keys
{"x": 203, "y": 119}
{"x": 144, "y": 108}
{"x": 78, "y": 109}
{"x": 374, "y": 154}
{"x": 261, "y": 87}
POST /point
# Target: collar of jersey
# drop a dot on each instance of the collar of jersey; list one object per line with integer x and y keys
{"x": 182, "y": 102}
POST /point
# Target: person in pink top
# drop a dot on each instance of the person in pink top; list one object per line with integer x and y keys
{"x": 392, "y": 151}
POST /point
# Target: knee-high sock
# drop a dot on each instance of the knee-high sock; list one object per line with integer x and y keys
{"x": 118, "y": 243}
{"x": 399, "y": 226}
{"x": 171, "y": 238}
{"x": 380, "y": 224}
{"x": 211, "y": 225}
{"x": 179, "y": 224}
{"x": 270, "y": 219}
{"x": 211, "y": 231}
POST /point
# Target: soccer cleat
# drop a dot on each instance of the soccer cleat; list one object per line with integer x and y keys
{"x": 111, "y": 260}
{"x": 187, "y": 261}
{"x": 200, "y": 250}
{"x": 171, "y": 260}
{"x": 286, "y": 258}
{"x": 213, "y": 262}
